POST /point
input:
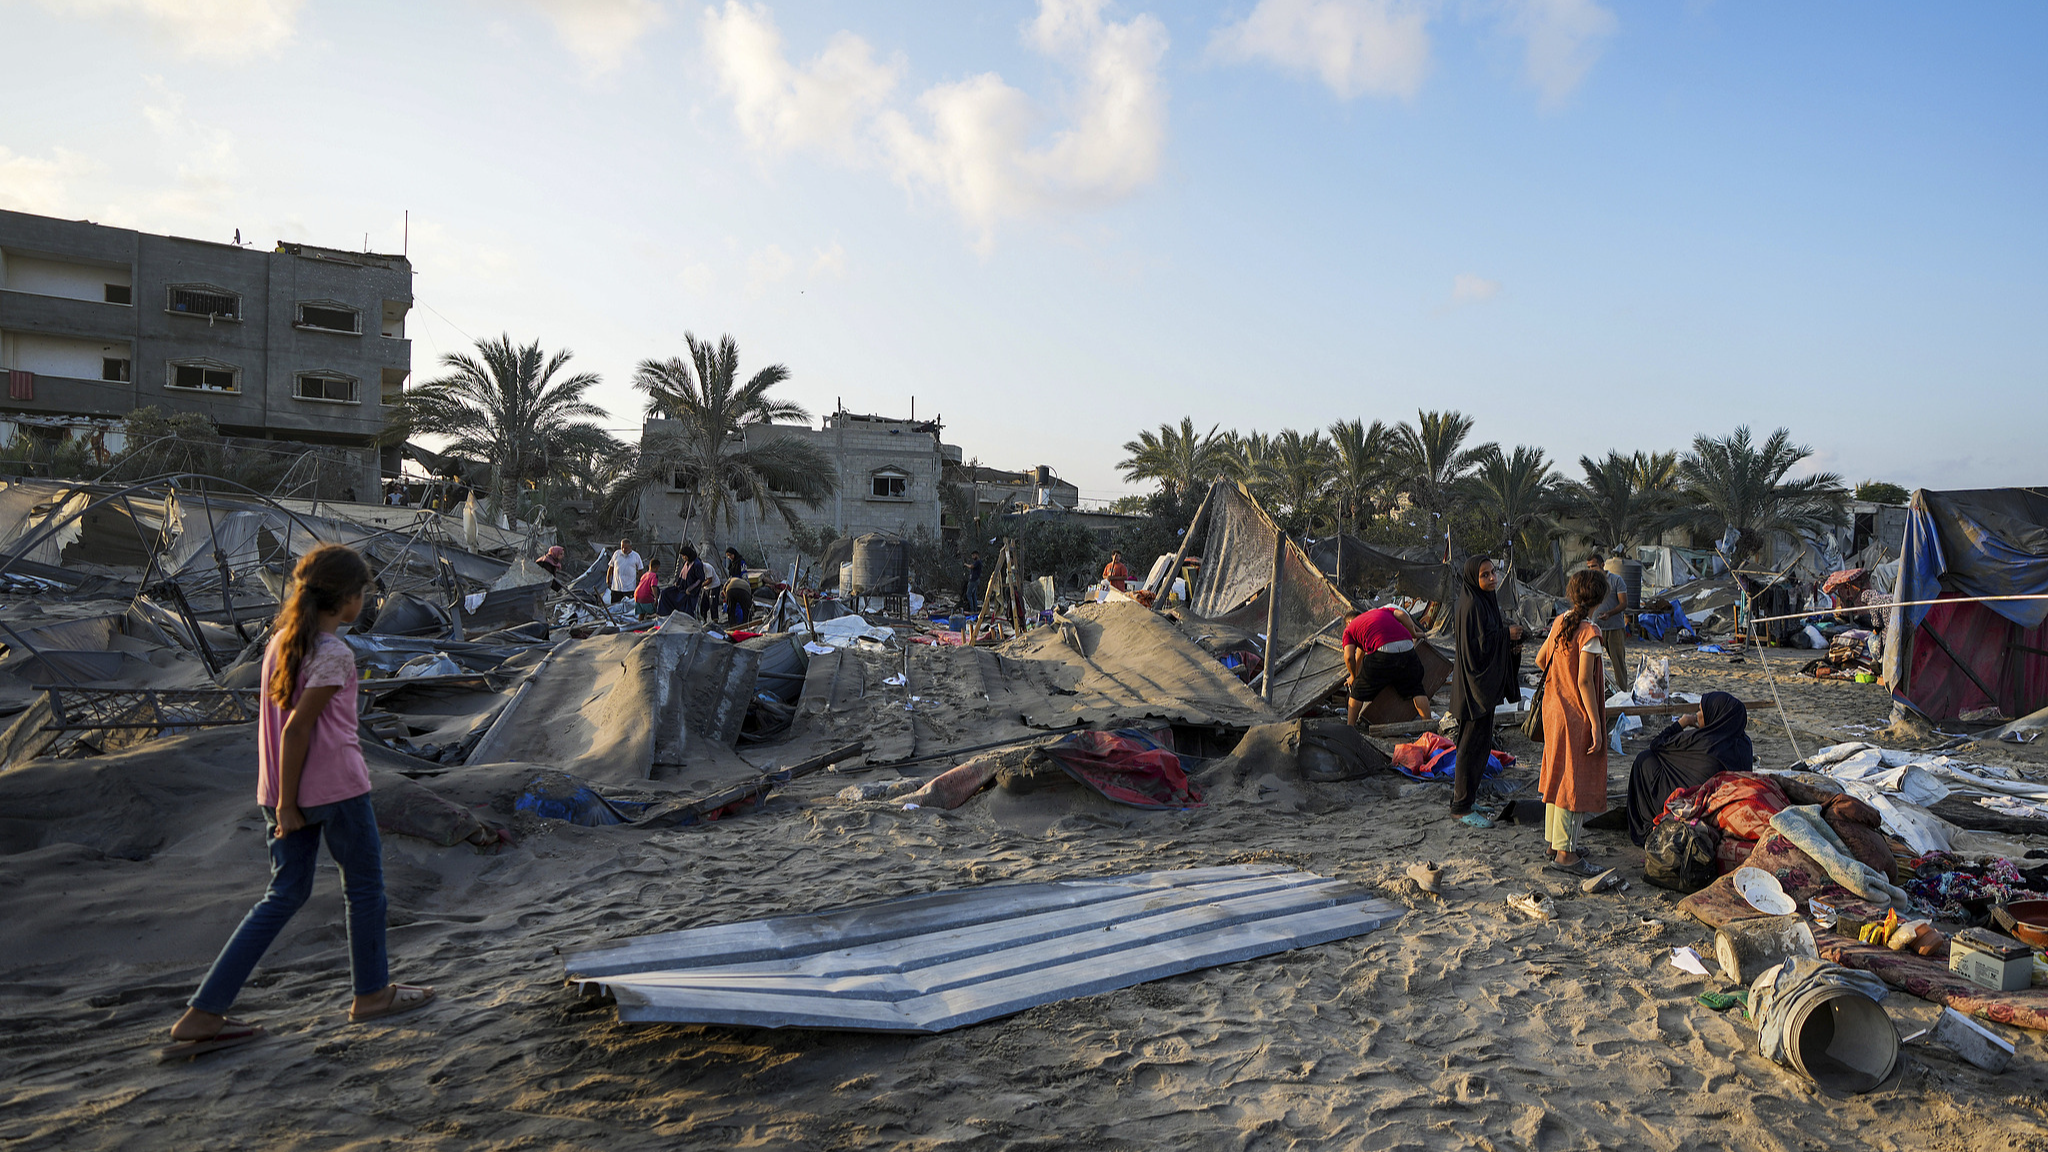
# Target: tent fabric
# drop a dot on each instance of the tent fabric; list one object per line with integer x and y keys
{"x": 1128, "y": 766}
{"x": 1943, "y": 657}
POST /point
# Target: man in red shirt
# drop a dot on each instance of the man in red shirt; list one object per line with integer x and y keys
{"x": 1379, "y": 653}
{"x": 1114, "y": 573}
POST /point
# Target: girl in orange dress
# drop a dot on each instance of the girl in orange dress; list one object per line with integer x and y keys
{"x": 1574, "y": 776}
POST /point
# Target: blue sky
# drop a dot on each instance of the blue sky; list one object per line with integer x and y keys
{"x": 1053, "y": 223}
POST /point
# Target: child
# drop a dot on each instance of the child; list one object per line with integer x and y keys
{"x": 648, "y": 591}
{"x": 311, "y": 783}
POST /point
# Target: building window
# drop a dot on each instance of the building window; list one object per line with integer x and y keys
{"x": 330, "y": 317}
{"x": 203, "y": 300}
{"x": 329, "y": 389}
{"x": 120, "y": 294}
{"x": 889, "y": 484}
{"x": 114, "y": 368}
{"x": 205, "y": 376}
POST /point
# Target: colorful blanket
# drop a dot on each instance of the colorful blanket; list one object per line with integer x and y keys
{"x": 1433, "y": 757}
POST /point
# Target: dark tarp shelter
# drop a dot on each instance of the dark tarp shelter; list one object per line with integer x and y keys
{"x": 1946, "y": 659}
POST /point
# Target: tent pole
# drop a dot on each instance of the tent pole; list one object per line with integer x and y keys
{"x": 1273, "y": 612}
{"x": 1187, "y": 541}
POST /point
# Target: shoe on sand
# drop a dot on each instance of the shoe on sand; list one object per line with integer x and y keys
{"x": 1427, "y": 877}
{"x": 1533, "y": 906}
{"x": 232, "y": 1034}
{"x": 1475, "y": 820}
{"x": 404, "y": 998}
{"x": 1611, "y": 878}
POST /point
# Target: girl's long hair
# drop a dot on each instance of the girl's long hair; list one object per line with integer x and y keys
{"x": 325, "y": 578}
{"x": 1586, "y": 589}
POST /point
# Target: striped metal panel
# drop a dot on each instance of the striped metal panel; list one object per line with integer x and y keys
{"x": 948, "y": 959}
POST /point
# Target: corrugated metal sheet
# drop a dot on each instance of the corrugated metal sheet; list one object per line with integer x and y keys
{"x": 948, "y": 959}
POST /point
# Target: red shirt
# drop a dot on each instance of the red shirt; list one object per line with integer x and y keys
{"x": 1116, "y": 574}
{"x": 1375, "y": 628}
{"x": 648, "y": 591}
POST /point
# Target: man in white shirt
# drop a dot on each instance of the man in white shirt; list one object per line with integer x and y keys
{"x": 625, "y": 571}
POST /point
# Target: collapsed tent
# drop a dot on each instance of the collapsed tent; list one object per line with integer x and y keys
{"x": 1254, "y": 578}
{"x": 1948, "y": 659}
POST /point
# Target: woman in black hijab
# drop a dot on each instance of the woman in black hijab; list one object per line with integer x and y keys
{"x": 1488, "y": 653}
{"x": 1712, "y": 740}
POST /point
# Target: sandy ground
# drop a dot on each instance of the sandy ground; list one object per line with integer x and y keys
{"x": 1463, "y": 1025}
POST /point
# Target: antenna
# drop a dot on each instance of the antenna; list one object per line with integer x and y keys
{"x": 405, "y": 245}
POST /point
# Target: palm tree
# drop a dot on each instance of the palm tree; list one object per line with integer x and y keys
{"x": 1519, "y": 490}
{"x": 1734, "y": 483}
{"x": 704, "y": 448}
{"x": 1245, "y": 456}
{"x": 1623, "y": 499}
{"x": 1179, "y": 460}
{"x": 1295, "y": 475}
{"x": 1360, "y": 465}
{"x": 1434, "y": 460}
{"x": 505, "y": 405}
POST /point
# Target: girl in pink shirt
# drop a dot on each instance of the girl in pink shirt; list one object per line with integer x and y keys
{"x": 312, "y": 785}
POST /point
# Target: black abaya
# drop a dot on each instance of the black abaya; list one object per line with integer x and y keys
{"x": 1485, "y": 668}
{"x": 1682, "y": 757}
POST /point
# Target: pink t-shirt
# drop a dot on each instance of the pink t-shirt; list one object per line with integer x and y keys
{"x": 334, "y": 768}
{"x": 1375, "y": 629}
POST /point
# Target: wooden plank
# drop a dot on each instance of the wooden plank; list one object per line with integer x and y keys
{"x": 978, "y": 1002}
{"x": 860, "y": 924}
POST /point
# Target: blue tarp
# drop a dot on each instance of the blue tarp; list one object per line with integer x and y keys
{"x": 1984, "y": 542}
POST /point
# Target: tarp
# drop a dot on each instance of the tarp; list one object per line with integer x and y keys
{"x": 1238, "y": 545}
{"x": 1947, "y": 659}
{"x": 1129, "y": 766}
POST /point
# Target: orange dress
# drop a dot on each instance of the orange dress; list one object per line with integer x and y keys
{"x": 1571, "y": 779}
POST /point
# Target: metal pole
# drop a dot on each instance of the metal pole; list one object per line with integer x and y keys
{"x": 1273, "y": 612}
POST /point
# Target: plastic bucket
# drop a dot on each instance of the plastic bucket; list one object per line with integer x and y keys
{"x": 1841, "y": 1039}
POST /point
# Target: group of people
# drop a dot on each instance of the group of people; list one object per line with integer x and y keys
{"x": 696, "y": 589}
{"x": 1380, "y": 653}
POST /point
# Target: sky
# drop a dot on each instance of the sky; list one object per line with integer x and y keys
{"x": 1592, "y": 225}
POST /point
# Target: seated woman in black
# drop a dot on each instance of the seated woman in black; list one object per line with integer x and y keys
{"x": 1687, "y": 754}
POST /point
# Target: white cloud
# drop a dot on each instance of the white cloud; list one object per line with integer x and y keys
{"x": 1355, "y": 47}
{"x": 977, "y": 151}
{"x": 698, "y": 278}
{"x": 203, "y": 194}
{"x": 829, "y": 262}
{"x": 223, "y": 29}
{"x": 41, "y": 186}
{"x": 770, "y": 265}
{"x": 601, "y": 32}
{"x": 976, "y": 142}
{"x": 781, "y": 106}
{"x": 1467, "y": 288}
{"x": 1564, "y": 38}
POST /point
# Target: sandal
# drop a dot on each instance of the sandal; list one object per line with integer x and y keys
{"x": 404, "y": 998}
{"x": 1580, "y": 867}
{"x": 1475, "y": 820}
{"x": 232, "y": 1034}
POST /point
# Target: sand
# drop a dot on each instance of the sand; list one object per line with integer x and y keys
{"x": 1461, "y": 1026}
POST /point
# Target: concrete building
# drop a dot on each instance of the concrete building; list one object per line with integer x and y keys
{"x": 299, "y": 343}
{"x": 994, "y": 487}
{"x": 889, "y": 473}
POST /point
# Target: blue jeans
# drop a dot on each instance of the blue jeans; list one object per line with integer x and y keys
{"x": 350, "y": 827}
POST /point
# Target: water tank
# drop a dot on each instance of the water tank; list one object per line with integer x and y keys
{"x": 1631, "y": 573}
{"x": 880, "y": 567}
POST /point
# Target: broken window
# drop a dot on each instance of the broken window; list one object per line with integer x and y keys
{"x": 206, "y": 376}
{"x": 889, "y": 484}
{"x": 120, "y": 294}
{"x": 204, "y": 300}
{"x": 330, "y": 318}
{"x": 334, "y": 389}
{"x": 114, "y": 368}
